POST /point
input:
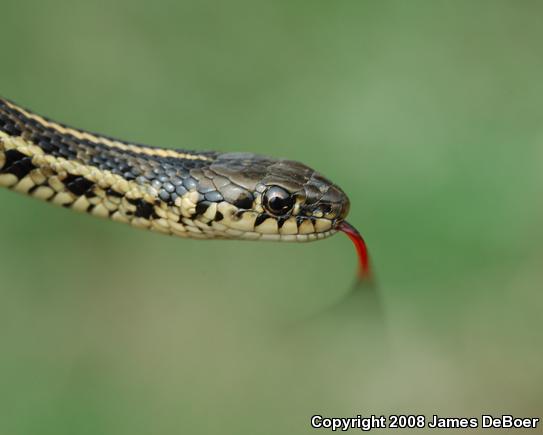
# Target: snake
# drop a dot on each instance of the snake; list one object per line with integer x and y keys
{"x": 189, "y": 194}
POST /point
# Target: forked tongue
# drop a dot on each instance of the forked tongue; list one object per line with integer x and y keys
{"x": 364, "y": 272}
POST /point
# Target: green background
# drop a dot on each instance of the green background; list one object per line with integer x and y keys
{"x": 427, "y": 113}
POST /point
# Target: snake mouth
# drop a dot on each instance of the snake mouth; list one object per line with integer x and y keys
{"x": 364, "y": 270}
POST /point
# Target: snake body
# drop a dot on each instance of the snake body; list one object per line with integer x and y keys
{"x": 205, "y": 195}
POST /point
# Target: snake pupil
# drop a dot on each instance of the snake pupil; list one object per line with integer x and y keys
{"x": 278, "y": 201}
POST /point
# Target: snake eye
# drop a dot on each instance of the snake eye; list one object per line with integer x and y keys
{"x": 277, "y": 201}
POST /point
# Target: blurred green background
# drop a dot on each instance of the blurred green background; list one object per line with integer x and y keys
{"x": 429, "y": 115}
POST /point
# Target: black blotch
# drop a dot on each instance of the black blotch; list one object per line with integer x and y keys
{"x": 281, "y": 220}
{"x": 201, "y": 207}
{"x": 219, "y": 216}
{"x": 22, "y": 168}
{"x": 17, "y": 164}
{"x": 299, "y": 220}
{"x": 261, "y": 218}
{"x": 245, "y": 201}
{"x": 13, "y": 156}
{"x": 144, "y": 209}
{"x": 112, "y": 192}
{"x": 77, "y": 185}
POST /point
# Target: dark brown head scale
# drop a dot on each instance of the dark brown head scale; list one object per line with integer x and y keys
{"x": 315, "y": 196}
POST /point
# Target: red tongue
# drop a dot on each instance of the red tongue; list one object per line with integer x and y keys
{"x": 364, "y": 272}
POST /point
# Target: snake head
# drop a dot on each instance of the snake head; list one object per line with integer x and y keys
{"x": 274, "y": 199}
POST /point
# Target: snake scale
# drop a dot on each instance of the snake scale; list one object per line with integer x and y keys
{"x": 204, "y": 195}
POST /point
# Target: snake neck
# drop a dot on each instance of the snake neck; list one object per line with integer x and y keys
{"x": 145, "y": 186}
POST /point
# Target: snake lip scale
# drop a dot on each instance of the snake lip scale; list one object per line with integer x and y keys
{"x": 191, "y": 194}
